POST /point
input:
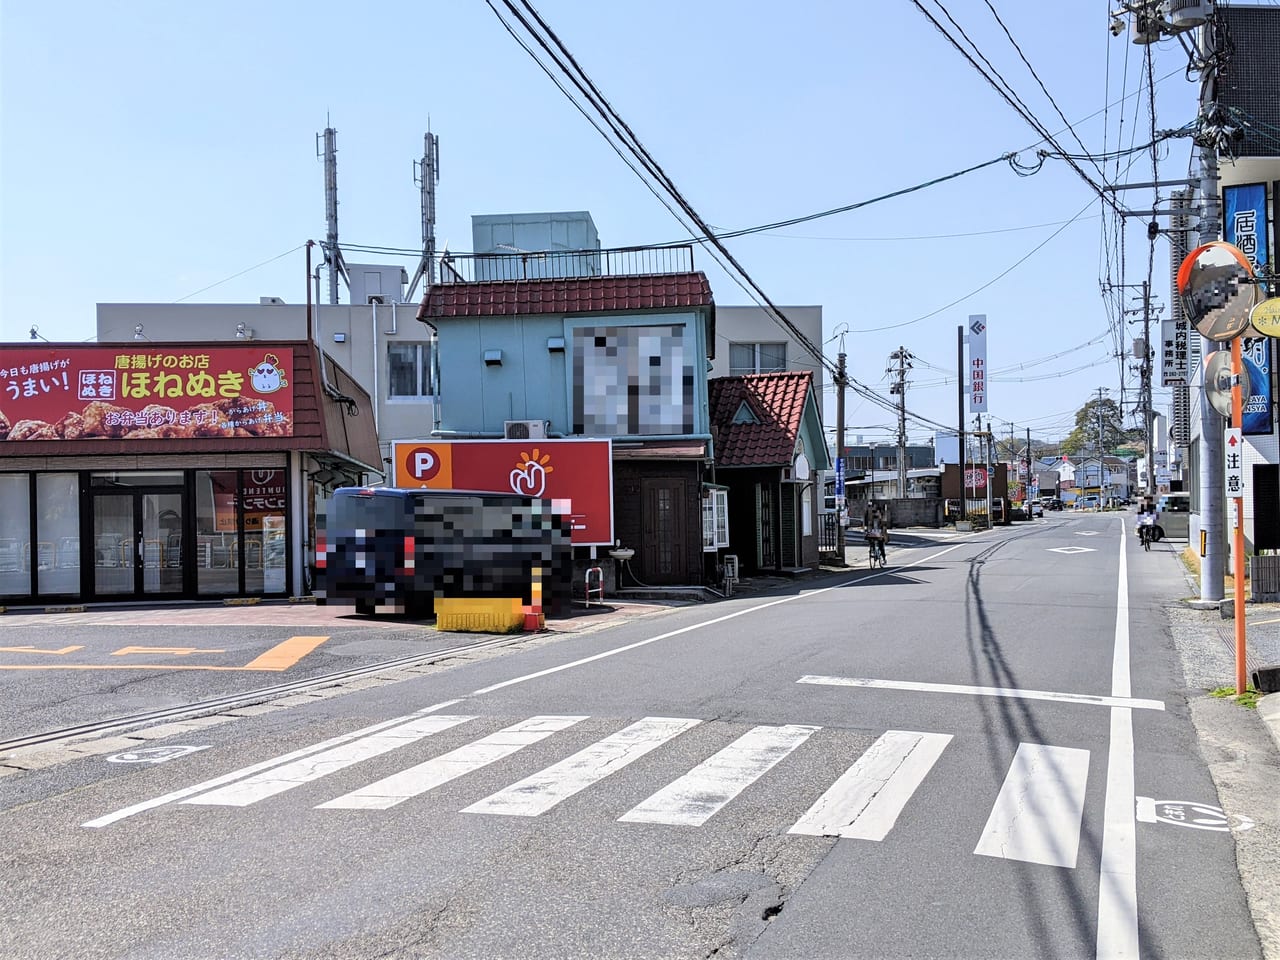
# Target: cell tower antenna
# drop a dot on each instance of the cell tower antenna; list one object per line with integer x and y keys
{"x": 332, "y": 255}
{"x": 426, "y": 174}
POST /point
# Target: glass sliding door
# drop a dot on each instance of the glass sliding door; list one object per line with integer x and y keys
{"x": 115, "y": 547}
{"x": 161, "y": 515}
{"x": 138, "y": 543}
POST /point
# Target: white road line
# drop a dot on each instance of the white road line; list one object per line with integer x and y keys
{"x": 1036, "y": 816}
{"x": 806, "y": 594}
{"x": 304, "y": 770}
{"x": 1112, "y": 701}
{"x": 865, "y": 802}
{"x": 696, "y": 797}
{"x": 154, "y": 802}
{"x": 1118, "y": 879}
{"x": 419, "y": 779}
{"x": 542, "y": 791}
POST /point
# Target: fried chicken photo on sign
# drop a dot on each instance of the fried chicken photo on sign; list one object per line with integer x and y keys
{"x": 33, "y": 430}
{"x": 70, "y": 427}
{"x": 96, "y": 415}
{"x": 156, "y": 415}
{"x": 4, "y": 425}
{"x": 162, "y": 432}
{"x": 206, "y": 421}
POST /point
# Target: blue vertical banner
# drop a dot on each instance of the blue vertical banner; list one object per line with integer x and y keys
{"x": 1245, "y": 226}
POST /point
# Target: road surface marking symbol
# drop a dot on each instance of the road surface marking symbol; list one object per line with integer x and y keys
{"x": 285, "y": 654}
{"x": 136, "y": 808}
{"x": 1071, "y": 550}
{"x": 426, "y": 776}
{"x": 865, "y": 802}
{"x": 1036, "y": 817}
{"x": 984, "y": 691}
{"x": 271, "y": 782}
{"x": 539, "y": 793}
{"x": 696, "y": 797}
{"x": 175, "y": 651}
{"x": 57, "y": 653}
{"x": 1188, "y": 813}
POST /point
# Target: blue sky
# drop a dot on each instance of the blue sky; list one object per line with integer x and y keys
{"x": 149, "y": 151}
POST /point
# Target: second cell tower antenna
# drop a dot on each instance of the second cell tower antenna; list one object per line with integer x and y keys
{"x": 426, "y": 174}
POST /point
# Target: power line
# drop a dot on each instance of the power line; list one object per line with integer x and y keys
{"x": 636, "y": 147}
{"x": 241, "y": 273}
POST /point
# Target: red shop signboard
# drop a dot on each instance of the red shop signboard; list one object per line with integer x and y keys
{"x": 580, "y": 471}
{"x": 145, "y": 393}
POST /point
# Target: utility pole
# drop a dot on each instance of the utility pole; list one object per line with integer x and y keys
{"x": 991, "y": 520}
{"x": 1029, "y": 476}
{"x": 903, "y": 358}
{"x": 1148, "y": 427}
{"x": 1212, "y": 505}
{"x": 842, "y": 381}
{"x": 964, "y": 454}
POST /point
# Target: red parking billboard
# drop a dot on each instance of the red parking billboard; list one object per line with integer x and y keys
{"x": 580, "y": 471}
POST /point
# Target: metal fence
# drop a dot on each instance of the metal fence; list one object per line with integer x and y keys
{"x": 553, "y": 264}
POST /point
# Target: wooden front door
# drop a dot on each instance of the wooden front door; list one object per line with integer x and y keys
{"x": 664, "y": 555}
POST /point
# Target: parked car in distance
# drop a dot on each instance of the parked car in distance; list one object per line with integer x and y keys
{"x": 1051, "y": 503}
{"x": 1090, "y": 502}
{"x": 1037, "y": 509}
{"x": 1173, "y": 516}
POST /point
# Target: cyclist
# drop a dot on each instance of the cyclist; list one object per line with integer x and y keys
{"x": 875, "y": 526}
{"x": 1146, "y": 522}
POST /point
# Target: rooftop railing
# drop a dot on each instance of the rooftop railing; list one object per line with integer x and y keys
{"x": 556, "y": 264}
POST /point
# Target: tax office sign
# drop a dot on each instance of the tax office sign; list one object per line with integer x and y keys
{"x": 579, "y": 471}
{"x": 119, "y": 392}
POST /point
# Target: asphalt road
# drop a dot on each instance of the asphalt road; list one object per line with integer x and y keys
{"x": 983, "y": 751}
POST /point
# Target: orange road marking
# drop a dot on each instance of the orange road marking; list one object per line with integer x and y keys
{"x": 176, "y": 651}
{"x": 284, "y": 655}
{"x": 280, "y": 657}
{"x": 57, "y": 653}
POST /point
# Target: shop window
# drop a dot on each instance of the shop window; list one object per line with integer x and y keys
{"x": 15, "y": 534}
{"x": 56, "y": 550}
{"x": 409, "y": 373}
{"x": 240, "y": 531}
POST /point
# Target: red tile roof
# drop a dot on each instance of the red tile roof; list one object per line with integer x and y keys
{"x": 778, "y": 401}
{"x": 500, "y": 298}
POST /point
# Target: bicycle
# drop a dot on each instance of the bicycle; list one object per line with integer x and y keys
{"x": 1146, "y": 530}
{"x": 875, "y": 552}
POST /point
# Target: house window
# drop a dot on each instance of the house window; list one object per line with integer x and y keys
{"x": 409, "y": 373}
{"x": 715, "y": 520}
{"x": 757, "y": 358}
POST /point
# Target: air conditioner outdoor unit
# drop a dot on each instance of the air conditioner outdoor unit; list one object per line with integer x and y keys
{"x": 525, "y": 429}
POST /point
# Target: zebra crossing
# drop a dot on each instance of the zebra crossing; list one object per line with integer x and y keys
{"x": 1035, "y": 817}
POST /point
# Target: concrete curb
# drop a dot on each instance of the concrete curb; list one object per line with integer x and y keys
{"x": 1269, "y": 711}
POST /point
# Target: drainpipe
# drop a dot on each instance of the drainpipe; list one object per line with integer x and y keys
{"x": 373, "y": 327}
